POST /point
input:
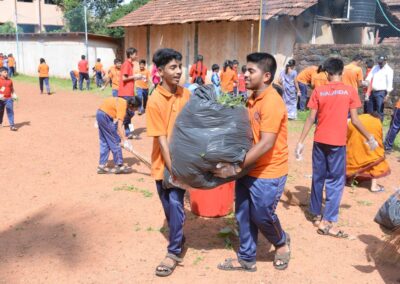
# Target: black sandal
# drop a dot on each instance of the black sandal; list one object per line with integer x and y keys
{"x": 283, "y": 258}
{"x": 326, "y": 232}
{"x": 248, "y": 266}
{"x": 164, "y": 269}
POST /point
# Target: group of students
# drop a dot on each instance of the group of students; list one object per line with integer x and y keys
{"x": 8, "y": 62}
{"x": 259, "y": 191}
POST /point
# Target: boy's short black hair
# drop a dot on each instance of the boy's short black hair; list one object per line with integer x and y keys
{"x": 42, "y": 60}
{"x": 130, "y": 51}
{"x": 235, "y": 62}
{"x": 265, "y": 62}
{"x": 200, "y": 57}
{"x": 214, "y": 67}
{"x": 370, "y": 63}
{"x": 164, "y": 56}
{"x": 2, "y": 69}
{"x": 334, "y": 66}
{"x": 117, "y": 60}
{"x": 357, "y": 57}
{"x": 134, "y": 102}
{"x": 244, "y": 69}
{"x": 83, "y": 57}
{"x": 142, "y": 61}
{"x": 98, "y": 59}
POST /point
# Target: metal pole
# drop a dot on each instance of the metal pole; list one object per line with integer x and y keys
{"x": 16, "y": 33}
{"x": 40, "y": 16}
{"x": 86, "y": 32}
{"x": 260, "y": 26}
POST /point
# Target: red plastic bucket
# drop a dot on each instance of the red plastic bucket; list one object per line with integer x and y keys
{"x": 216, "y": 202}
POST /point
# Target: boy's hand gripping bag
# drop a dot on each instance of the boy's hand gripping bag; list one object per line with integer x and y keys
{"x": 389, "y": 214}
{"x": 208, "y": 132}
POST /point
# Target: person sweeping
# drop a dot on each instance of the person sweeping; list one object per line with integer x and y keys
{"x": 110, "y": 117}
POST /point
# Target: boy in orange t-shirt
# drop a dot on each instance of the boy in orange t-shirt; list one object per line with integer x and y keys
{"x": 319, "y": 78}
{"x": 164, "y": 105}
{"x": 98, "y": 69}
{"x": 258, "y": 192}
{"x": 142, "y": 86}
{"x": 304, "y": 81}
{"x": 11, "y": 65}
{"x": 352, "y": 73}
{"x": 228, "y": 78}
{"x": 332, "y": 103}
{"x": 43, "y": 71}
{"x": 114, "y": 74}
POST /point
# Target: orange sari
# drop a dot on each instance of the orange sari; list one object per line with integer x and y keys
{"x": 361, "y": 161}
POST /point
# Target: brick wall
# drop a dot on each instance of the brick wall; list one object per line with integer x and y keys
{"x": 311, "y": 54}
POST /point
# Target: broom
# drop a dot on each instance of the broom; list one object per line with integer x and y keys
{"x": 390, "y": 251}
{"x": 144, "y": 160}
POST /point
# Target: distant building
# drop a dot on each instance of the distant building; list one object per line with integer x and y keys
{"x": 33, "y": 15}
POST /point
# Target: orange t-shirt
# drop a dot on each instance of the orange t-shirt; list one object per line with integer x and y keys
{"x": 143, "y": 84}
{"x": 115, "y": 107}
{"x": 11, "y": 61}
{"x": 76, "y": 73}
{"x": 398, "y": 104}
{"x": 98, "y": 67}
{"x": 333, "y": 103}
{"x": 268, "y": 114}
{"x": 162, "y": 110}
{"x": 83, "y": 66}
{"x": 306, "y": 75}
{"x": 114, "y": 74}
{"x": 228, "y": 78}
{"x": 319, "y": 79}
{"x": 43, "y": 70}
{"x": 352, "y": 74}
{"x": 1, "y": 61}
{"x": 196, "y": 70}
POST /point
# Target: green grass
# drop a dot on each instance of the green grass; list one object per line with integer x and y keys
{"x": 59, "y": 84}
{"x": 131, "y": 188}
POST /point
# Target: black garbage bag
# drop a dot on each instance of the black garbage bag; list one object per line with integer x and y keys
{"x": 206, "y": 133}
{"x": 389, "y": 214}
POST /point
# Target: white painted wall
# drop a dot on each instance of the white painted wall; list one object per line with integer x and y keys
{"x": 62, "y": 56}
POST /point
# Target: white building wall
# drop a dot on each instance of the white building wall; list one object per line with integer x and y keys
{"x": 61, "y": 56}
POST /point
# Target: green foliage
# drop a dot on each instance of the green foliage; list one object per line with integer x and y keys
{"x": 231, "y": 101}
{"x": 101, "y": 13}
{"x": 7, "y": 28}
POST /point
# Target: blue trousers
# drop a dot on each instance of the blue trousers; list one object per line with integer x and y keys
{"x": 172, "y": 203}
{"x": 114, "y": 93}
{"x": 84, "y": 76}
{"x": 128, "y": 118}
{"x": 256, "y": 201}
{"x": 74, "y": 80}
{"x": 46, "y": 83}
{"x": 393, "y": 130}
{"x": 109, "y": 139}
{"x": 11, "y": 71}
{"x": 143, "y": 95}
{"x": 303, "y": 98}
{"x": 99, "y": 78}
{"x": 376, "y": 103}
{"x": 7, "y": 104}
{"x": 329, "y": 170}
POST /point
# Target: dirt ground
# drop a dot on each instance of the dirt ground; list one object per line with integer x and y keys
{"x": 63, "y": 223}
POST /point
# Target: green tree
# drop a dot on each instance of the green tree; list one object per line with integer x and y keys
{"x": 7, "y": 28}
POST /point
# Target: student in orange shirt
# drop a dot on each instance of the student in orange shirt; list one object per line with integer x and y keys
{"x": 320, "y": 78}
{"x": 43, "y": 71}
{"x": 111, "y": 134}
{"x": 352, "y": 73}
{"x": 74, "y": 75}
{"x": 114, "y": 75}
{"x": 11, "y": 65}
{"x": 163, "y": 107}
{"x": 98, "y": 69}
{"x": 1, "y": 59}
{"x": 228, "y": 78}
{"x": 198, "y": 71}
{"x": 142, "y": 86}
{"x": 83, "y": 68}
{"x": 258, "y": 192}
{"x": 7, "y": 98}
{"x": 304, "y": 81}
{"x": 332, "y": 103}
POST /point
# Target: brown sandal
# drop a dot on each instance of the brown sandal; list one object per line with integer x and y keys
{"x": 165, "y": 269}
{"x": 326, "y": 232}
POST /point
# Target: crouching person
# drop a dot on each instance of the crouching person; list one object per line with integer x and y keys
{"x": 110, "y": 117}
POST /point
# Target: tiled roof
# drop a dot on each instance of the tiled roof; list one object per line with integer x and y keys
{"x": 161, "y": 12}
{"x": 394, "y": 9}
